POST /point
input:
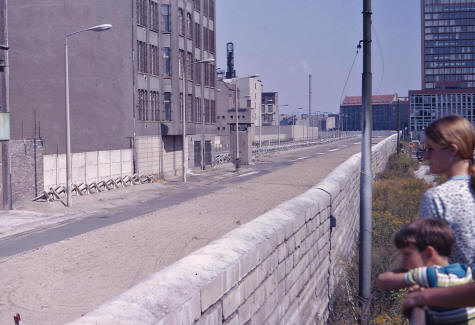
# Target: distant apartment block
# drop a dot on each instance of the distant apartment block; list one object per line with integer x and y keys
{"x": 126, "y": 84}
{"x": 384, "y": 108}
{"x": 270, "y": 108}
{"x": 448, "y": 43}
{"x": 429, "y": 105}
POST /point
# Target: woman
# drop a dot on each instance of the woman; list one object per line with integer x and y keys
{"x": 450, "y": 144}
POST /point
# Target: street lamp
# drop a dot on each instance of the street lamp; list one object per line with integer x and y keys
{"x": 235, "y": 80}
{"x": 183, "y": 113}
{"x": 278, "y": 123}
{"x": 98, "y": 28}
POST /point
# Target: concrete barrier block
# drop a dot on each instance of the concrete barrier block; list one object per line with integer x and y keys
{"x": 78, "y": 160}
{"x": 282, "y": 252}
{"x": 104, "y": 157}
{"x": 213, "y": 316}
{"x": 212, "y": 291}
{"x": 280, "y": 272}
{"x": 233, "y": 320}
{"x": 49, "y": 162}
{"x": 231, "y": 301}
{"x": 115, "y": 156}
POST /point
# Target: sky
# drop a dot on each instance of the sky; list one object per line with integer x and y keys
{"x": 285, "y": 40}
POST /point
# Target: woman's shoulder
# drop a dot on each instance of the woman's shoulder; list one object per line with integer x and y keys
{"x": 451, "y": 186}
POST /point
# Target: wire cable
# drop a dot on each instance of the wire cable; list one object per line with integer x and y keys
{"x": 382, "y": 58}
{"x": 358, "y": 47}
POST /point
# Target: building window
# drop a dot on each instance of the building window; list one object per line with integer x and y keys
{"x": 189, "y": 26}
{"x": 207, "y": 112}
{"x": 154, "y": 13}
{"x": 213, "y": 111}
{"x": 166, "y": 61}
{"x": 211, "y": 41}
{"x": 189, "y": 65}
{"x": 263, "y": 108}
{"x": 211, "y": 9}
{"x": 142, "y": 56}
{"x": 167, "y": 106}
{"x": 166, "y": 26}
{"x": 197, "y": 35}
{"x": 142, "y": 104}
{"x": 212, "y": 75}
{"x": 198, "y": 109}
{"x": 197, "y": 5}
{"x": 181, "y": 22}
{"x": 142, "y": 12}
{"x": 189, "y": 108}
{"x": 206, "y": 74}
{"x": 155, "y": 59}
{"x": 181, "y": 106}
{"x": 181, "y": 57}
{"x": 198, "y": 74}
{"x": 205, "y": 38}
{"x": 205, "y": 8}
{"x": 154, "y": 105}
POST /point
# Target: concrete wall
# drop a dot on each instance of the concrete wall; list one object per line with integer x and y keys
{"x": 287, "y": 132}
{"x": 100, "y": 72}
{"x": 87, "y": 167}
{"x": 26, "y": 169}
{"x": 277, "y": 269}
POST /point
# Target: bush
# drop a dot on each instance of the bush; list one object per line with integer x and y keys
{"x": 397, "y": 195}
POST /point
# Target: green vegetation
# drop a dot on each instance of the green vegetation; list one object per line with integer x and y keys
{"x": 397, "y": 195}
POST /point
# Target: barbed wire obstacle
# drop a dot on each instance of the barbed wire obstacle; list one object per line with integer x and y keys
{"x": 57, "y": 192}
{"x": 222, "y": 158}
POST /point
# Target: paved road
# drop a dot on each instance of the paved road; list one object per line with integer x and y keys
{"x": 110, "y": 250}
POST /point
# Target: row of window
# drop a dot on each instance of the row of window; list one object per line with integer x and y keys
{"x": 428, "y": 2}
{"x": 448, "y": 57}
{"x": 452, "y": 70}
{"x": 463, "y": 77}
{"x": 449, "y": 50}
{"x": 450, "y": 29}
{"x": 144, "y": 7}
{"x": 148, "y": 106}
{"x": 450, "y": 43}
{"x": 208, "y": 7}
{"x": 447, "y": 8}
{"x": 450, "y": 36}
{"x": 450, "y": 15}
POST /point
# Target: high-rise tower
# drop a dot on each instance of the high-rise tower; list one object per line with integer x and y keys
{"x": 448, "y": 43}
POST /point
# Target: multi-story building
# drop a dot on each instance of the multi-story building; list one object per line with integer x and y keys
{"x": 225, "y": 107}
{"x": 250, "y": 99}
{"x": 384, "y": 110}
{"x": 448, "y": 43}
{"x": 126, "y": 84}
{"x": 270, "y": 108}
{"x": 431, "y": 104}
{"x": 448, "y": 63}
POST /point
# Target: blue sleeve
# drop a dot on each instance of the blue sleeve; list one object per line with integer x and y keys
{"x": 431, "y": 277}
{"x": 428, "y": 206}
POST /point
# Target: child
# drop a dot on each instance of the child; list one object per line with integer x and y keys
{"x": 425, "y": 246}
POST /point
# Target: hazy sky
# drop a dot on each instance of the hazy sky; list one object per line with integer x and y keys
{"x": 284, "y": 41}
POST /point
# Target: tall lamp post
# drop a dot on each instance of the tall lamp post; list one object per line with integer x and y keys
{"x": 183, "y": 113}
{"x": 98, "y": 28}
{"x": 235, "y": 80}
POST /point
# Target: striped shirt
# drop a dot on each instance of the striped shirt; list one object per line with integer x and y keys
{"x": 441, "y": 277}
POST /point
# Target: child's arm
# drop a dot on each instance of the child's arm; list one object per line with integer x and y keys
{"x": 392, "y": 280}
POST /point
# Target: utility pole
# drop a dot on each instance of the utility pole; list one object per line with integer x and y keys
{"x": 366, "y": 177}
{"x": 398, "y": 126}
{"x": 5, "y": 108}
{"x": 309, "y": 99}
